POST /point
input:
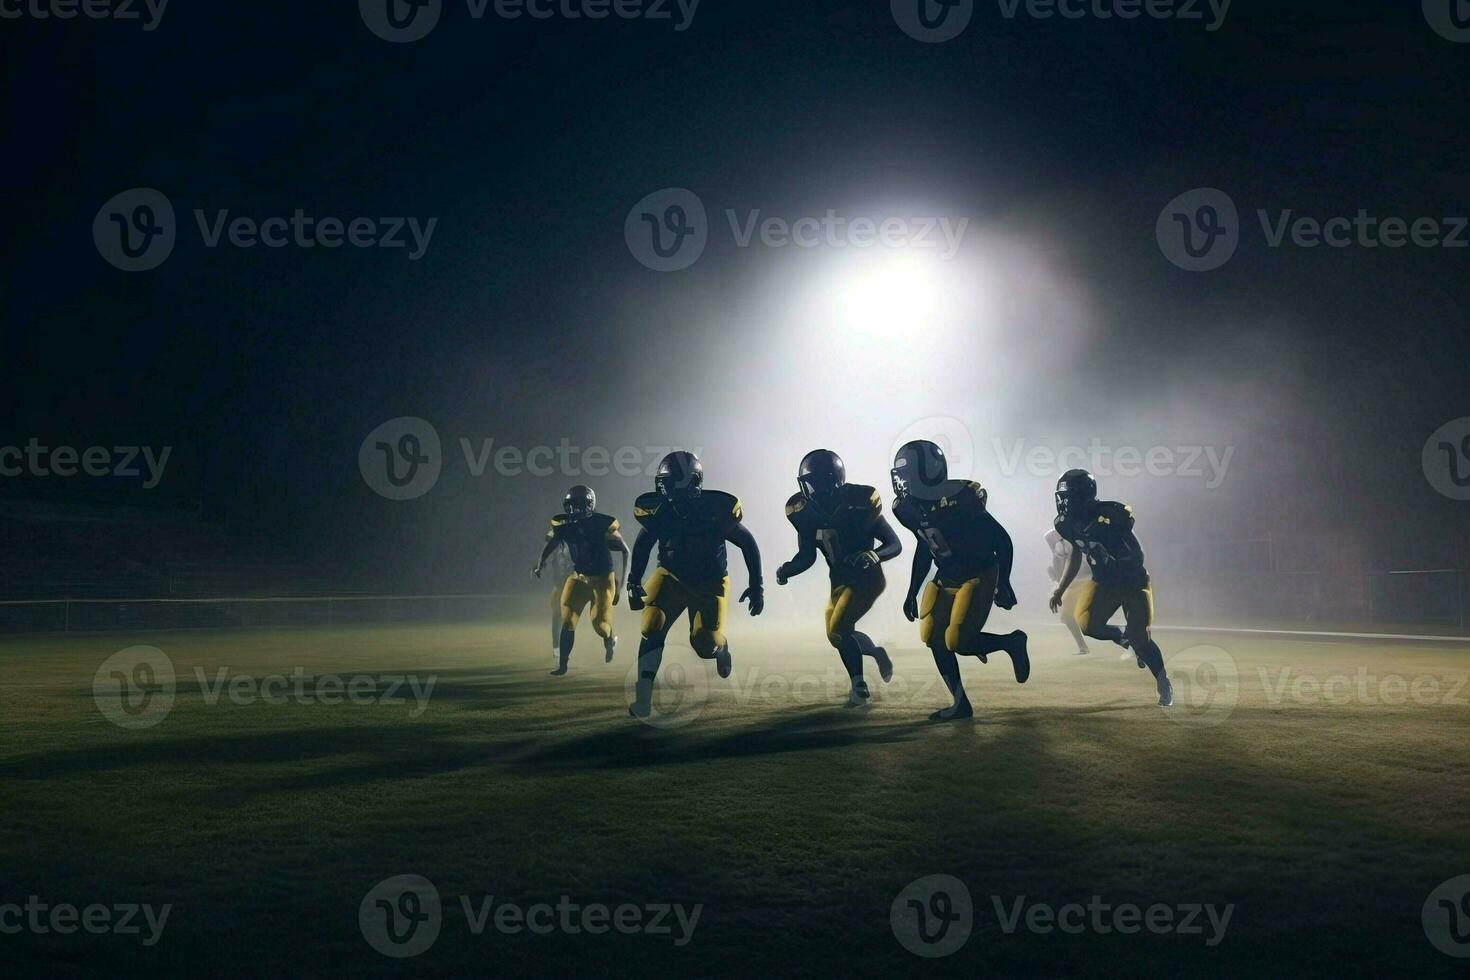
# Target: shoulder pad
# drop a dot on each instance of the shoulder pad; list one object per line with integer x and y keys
{"x": 646, "y": 506}
{"x": 610, "y": 523}
{"x": 796, "y": 503}
{"x": 903, "y": 509}
{"x": 559, "y": 520}
{"x": 862, "y": 497}
{"x": 1113, "y": 512}
{"x": 723, "y": 503}
{"x": 953, "y": 492}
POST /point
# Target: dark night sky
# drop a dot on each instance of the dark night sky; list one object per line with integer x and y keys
{"x": 528, "y": 319}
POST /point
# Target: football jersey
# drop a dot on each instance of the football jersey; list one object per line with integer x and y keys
{"x": 960, "y": 533}
{"x": 847, "y": 530}
{"x": 691, "y": 536}
{"x": 586, "y": 541}
{"x": 1109, "y": 545}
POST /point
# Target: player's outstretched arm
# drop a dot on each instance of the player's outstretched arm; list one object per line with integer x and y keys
{"x": 1074, "y": 563}
{"x": 642, "y": 548}
{"x": 551, "y": 545}
{"x": 806, "y": 556}
{"x": 741, "y": 538}
{"x": 923, "y": 561}
{"x": 888, "y": 544}
{"x": 616, "y": 543}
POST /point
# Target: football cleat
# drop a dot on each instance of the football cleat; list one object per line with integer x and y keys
{"x": 1020, "y": 659}
{"x": 860, "y": 696}
{"x": 885, "y": 664}
{"x": 1166, "y": 692}
{"x": 609, "y": 645}
{"x": 955, "y": 712}
{"x": 722, "y": 661}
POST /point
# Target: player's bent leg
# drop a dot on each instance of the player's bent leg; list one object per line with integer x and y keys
{"x": 574, "y": 598}
{"x": 1069, "y": 620}
{"x": 949, "y": 672}
{"x": 602, "y": 606}
{"x": 839, "y": 622}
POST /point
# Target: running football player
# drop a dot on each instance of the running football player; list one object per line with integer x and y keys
{"x": 690, "y": 525}
{"x": 1061, "y": 550}
{"x": 973, "y": 552}
{"x": 590, "y": 539}
{"x": 1102, "y": 532}
{"x": 842, "y": 520}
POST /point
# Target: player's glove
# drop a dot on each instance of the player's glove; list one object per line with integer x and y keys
{"x": 536, "y": 571}
{"x": 1005, "y": 596}
{"x": 1056, "y": 601}
{"x": 756, "y": 596}
{"x": 862, "y": 561}
{"x": 636, "y": 596}
{"x": 783, "y": 574}
{"x": 911, "y": 607}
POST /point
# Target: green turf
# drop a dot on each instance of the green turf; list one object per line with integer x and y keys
{"x": 792, "y": 821}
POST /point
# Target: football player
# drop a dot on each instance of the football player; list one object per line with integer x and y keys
{"x": 590, "y": 539}
{"x": 690, "y": 525}
{"x": 1061, "y": 550}
{"x": 973, "y": 552}
{"x": 1102, "y": 531}
{"x": 843, "y": 520}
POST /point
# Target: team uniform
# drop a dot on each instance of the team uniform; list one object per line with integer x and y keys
{"x": 692, "y": 573}
{"x": 965, "y": 542}
{"x": 587, "y": 541}
{"x": 560, "y": 565}
{"x": 1102, "y": 533}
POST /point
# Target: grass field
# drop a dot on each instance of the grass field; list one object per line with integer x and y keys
{"x": 1323, "y": 816}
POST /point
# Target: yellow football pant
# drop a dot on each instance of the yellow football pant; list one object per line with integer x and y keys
{"x": 849, "y": 603}
{"x": 667, "y": 597}
{"x": 578, "y": 590}
{"x": 957, "y": 613}
{"x": 1097, "y": 603}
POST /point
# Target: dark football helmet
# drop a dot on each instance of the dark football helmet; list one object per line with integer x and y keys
{"x": 821, "y": 474}
{"x": 919, "y": 469}
{"x": 1076, "y": 495}
{"x": 579, "y": 501}
{"x": 680, "y": 475}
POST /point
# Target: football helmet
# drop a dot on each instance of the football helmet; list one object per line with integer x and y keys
{"x": 1076, "y": 495}
{"x": 680, "y": 475}
{"x": 579, "y": 501}
{"x": 918, "y": 468}
{"x": 821, "y": 474}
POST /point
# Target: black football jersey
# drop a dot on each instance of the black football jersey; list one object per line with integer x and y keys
{"x": 1109, "y": 545}
{"x": 691, "y": 535}
{"x": 847, "y": 530}
{"x": 960, "y": 533}
{"x": 586, "y": 539}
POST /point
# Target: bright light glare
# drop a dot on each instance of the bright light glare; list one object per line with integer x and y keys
{"x": 883, "y": 300}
